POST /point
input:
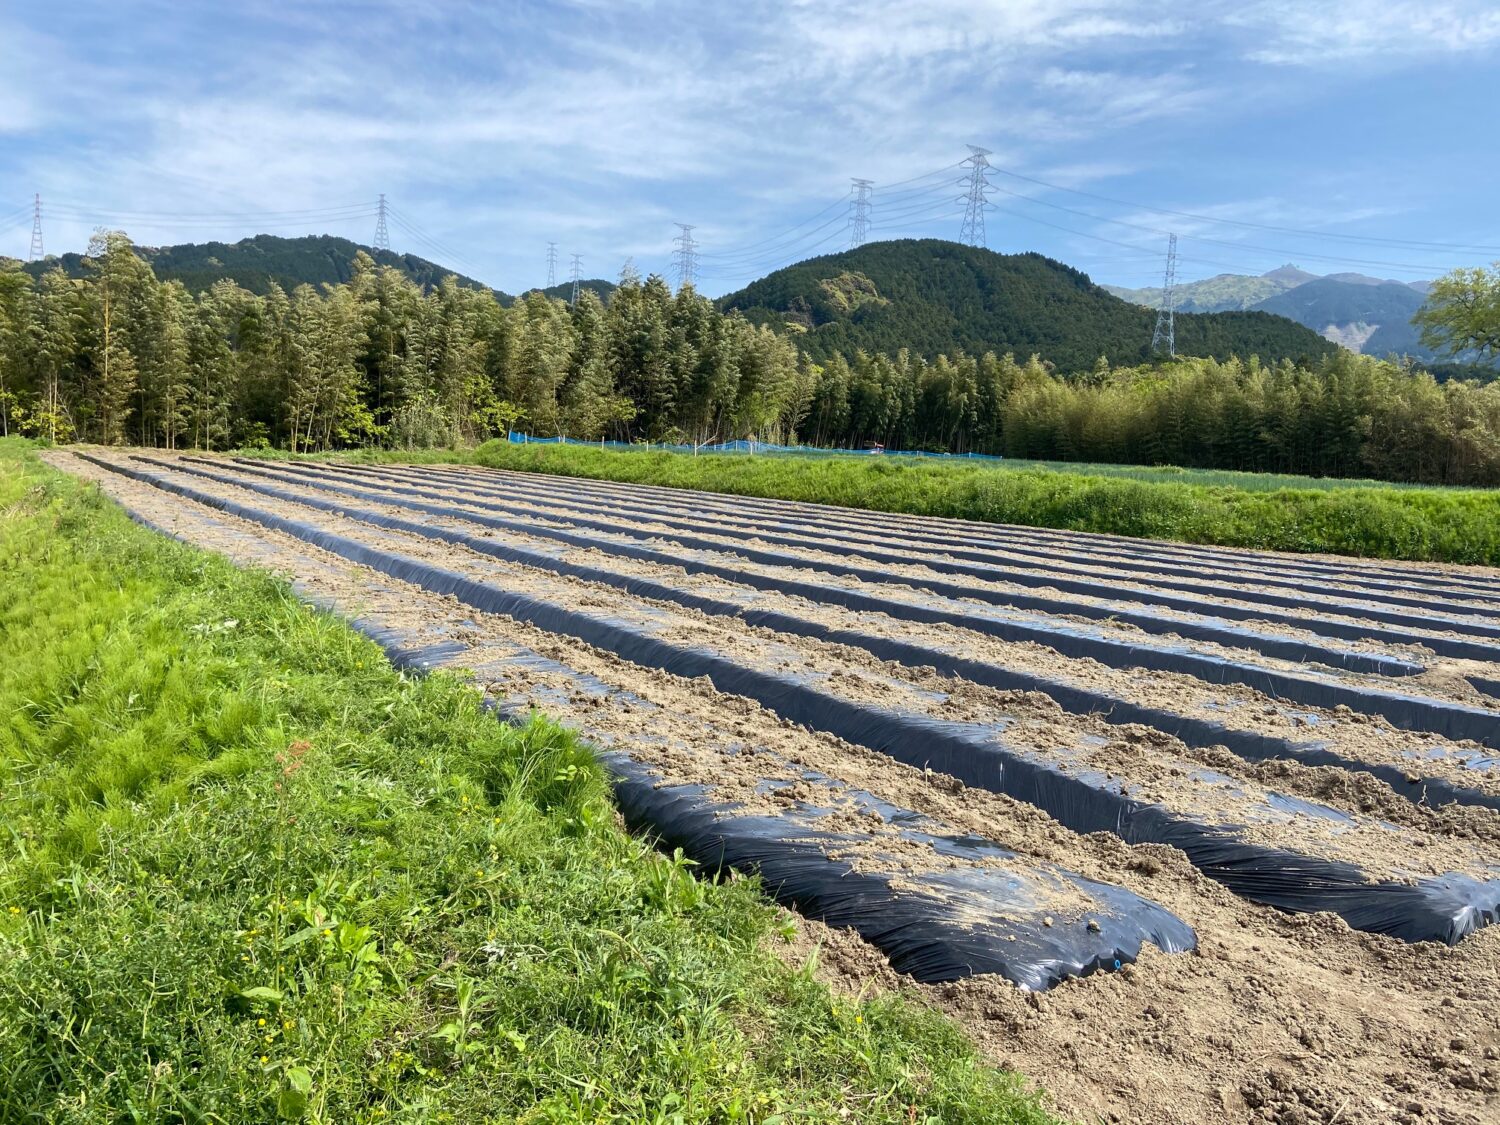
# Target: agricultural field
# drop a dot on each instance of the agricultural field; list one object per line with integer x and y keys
{"x": 1184, "y": 833}
{"x": 1257, "y": 510}
{"x": 254, "y": 873}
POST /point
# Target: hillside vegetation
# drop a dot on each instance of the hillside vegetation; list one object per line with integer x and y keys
{"x": 1368, "y": 314}
{"x": 121, "y": 357}
{"x": 1380, "y": 314}
{"x": 253, "y": 874}
{"x": 262, "y": 261}
{"x": 934, "y": 297}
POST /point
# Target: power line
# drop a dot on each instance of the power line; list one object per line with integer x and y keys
{"x": 551, "y": 264}
{"x": 1139, "y": 250}
{"x": 946, "y": 203}
{"x": 902, "y": 198}
{"x": 859, "y": 217}
{"x": 439, "y": 247}
{"x": 745, "y": 249}
{"x": 883, "y": 188}
{"x": 382, "y": 239}
{"x": 685, "y": 257}
{"x": 1284, "y": 253}
{"x": 776, "y": 258}
{"x": 35, "y": 253}
{"x": 732, "y": 272}
{"x": 1300, "y": 231}
{"x": 972, "y": 231}
{"x": 839, "y": 221}
{"x": 1166, "y": 327}
{"x": 204, "y": 227}
{"x": 362, "y": 207}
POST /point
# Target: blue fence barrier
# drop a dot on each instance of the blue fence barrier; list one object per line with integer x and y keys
{"x": 743, "y": 446}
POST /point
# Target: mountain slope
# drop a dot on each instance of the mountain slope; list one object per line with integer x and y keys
{"x": 933, "y": 296}
{"x": 1369, "y": 314}
{"x": 1225, "y": 292}
{"x": 1373, "y": 318}
{"x": 257, "y": 262}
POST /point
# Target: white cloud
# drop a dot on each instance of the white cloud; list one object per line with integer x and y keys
{"x": 1332, "y": 35}
{"x": 597, "y": 123}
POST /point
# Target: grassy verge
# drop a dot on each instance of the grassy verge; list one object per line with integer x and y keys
{"x": 251, "y": 873}
{"x": 1435, "y": 525}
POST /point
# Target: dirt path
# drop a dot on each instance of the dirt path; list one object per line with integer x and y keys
{"x": 1276, "y": 1017}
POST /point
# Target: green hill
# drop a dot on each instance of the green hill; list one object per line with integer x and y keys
{"x": 564, "y": 292}
{"x": 933, "y": 296}
{"x": 257, "y": 262}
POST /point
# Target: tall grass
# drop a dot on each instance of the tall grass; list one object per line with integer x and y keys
{"x": 251, "y": 873}
{"x": 1439, "y": 525}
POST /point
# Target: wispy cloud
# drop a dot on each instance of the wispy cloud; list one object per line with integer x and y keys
{"x": 1392, "y": 30}
{"x": 596, "y": 124}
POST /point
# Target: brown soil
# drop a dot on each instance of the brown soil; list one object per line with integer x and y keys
{"x": 1276, "y": 1018}
{"x": 1360, "y": 737}
{"x": 1444, "y": 679}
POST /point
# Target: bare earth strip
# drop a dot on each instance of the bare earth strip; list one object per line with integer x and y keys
{"x": 1276, "y": 1017}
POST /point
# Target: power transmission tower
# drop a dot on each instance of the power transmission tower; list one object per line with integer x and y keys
{"x": 382, "y": 235}
{"x": 685, "y": 257}
{"x": 551, "y": 264}
{"x": 972, "y": 232}
{"x": 859, "y": 215}
{"x": 577, "y": 273}
{"x": 35, "y": 253}
{"x": 1166, "y": 328}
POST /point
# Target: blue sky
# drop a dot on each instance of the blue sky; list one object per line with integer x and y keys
{"x": 494, "y": 128}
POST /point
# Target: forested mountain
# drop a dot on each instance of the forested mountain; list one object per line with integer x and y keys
{"x": 1368, "y": 316}
{"x": 1363, "y": 313}
{"x": 256, "y": 263}
{"x": 600, "y": 288}
{"x": 934, "y": 297}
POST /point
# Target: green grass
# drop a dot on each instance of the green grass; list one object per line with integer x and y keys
{"x": 1190, "y": 506}
{"x": 1252, "y": 482}
{"x": 251, "y": 873}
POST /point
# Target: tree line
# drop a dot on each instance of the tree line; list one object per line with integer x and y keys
{"x": 119, "y": 357}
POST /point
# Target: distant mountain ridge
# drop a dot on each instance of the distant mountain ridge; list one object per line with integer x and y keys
{"x": 256, "y": 262}
{"x": 1360, "y": 312}
{"x": 931, "y": 296}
